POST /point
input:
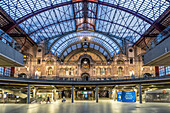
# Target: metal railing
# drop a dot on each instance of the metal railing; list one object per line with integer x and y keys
{"x": 111, "y": 78}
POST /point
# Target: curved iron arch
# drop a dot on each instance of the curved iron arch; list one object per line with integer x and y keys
{"x": 92, "y": 36}
{"x": 87, "y": 42}
{"x": 82, "y": 17}
{"x": 88, "y": 47}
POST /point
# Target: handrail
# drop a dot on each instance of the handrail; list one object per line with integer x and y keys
{"x": 90, "y": 82}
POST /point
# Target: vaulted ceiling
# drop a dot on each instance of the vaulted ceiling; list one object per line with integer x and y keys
{"x": 65, "y": 23}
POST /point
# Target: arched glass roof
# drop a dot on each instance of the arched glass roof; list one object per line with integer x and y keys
{"x": 61, "y": 43}
{"x": 49, "y": 19}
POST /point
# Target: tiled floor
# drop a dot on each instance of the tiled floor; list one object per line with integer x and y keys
{"x": 86, "y": 107}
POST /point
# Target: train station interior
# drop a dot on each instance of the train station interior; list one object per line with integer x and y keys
{"x": 58, "y": 54}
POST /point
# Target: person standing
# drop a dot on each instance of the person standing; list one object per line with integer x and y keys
{"x": 48, "y": 100}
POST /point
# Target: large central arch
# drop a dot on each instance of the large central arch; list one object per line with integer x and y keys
{"x": 87, "y": 42}
{"x": 111, "y": 43}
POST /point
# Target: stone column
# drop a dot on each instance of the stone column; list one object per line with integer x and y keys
{"x": 96, "y": 93}
{"x": 55, "y": 94}
{"x": 140, "y": 94}
{"x": 28, "y": 94}
{"x": 34, "y": 92}
{"x": 114, "y": 94}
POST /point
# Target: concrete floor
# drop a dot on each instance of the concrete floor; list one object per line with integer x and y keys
{"x": 104, "y": 106}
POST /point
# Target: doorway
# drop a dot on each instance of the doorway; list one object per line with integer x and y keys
{"x": 85, "y": 77}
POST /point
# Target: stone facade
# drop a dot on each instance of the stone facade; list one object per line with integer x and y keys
{"x": 38, "y": 64}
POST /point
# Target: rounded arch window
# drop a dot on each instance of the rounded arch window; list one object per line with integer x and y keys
{"x": 120, "y": 62}
{"x": 98, "y": 71}
{"x": 108, "y": 71}
{"x": 61, "y": 72}
{"x": 50, "y": 70}
{"x": 130, "y": 50}
{"x": 120, "y": 70}
{"x": 39, "y": 50}
{"x": 50, "y": 61}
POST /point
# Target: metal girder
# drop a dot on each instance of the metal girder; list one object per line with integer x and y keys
{"x": 98, "y": 53}
{"x": 96, "y": 14}
{"x": 87, "y": 10}
{"x": 82, "y": 17}
{"x": 17, "y": 35}
{"x": 92, "y": 36}
{"x": 20, "y": 20}
{"x": 88, "y": 42}
{"x": 86, "y": 23}
{"x": 74, "y": 16}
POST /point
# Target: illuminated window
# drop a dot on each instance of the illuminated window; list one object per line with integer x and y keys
{"x": 61, "y": 72}
{"x": 67, "y": 72}
{"x": 1, "y": 70}
{"x": 120, "y": 70}
{"x": 103, "y": 71}
{"x": 168, "y": 70}
{"x": 50, "y": 71}
{"x": 120, "y": 62}
{"x": 164, "y": 70}
{"x": 72, "y": 71}
{"x": 50, "y": 61}
{"x": 108, "y": 71}
{"x": 7, "y": 71}
{"x": 98, "y": 71}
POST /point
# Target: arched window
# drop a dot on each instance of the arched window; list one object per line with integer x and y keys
{"x": 50, "y": 71}
{"x": 67, "y": 72}
{"x": 120, "y": 62}
{"x": 61, "y": 72}
{"x": 72, "y": 71}
{"x": 108, "y": 71}
{"x": 50, "y": 61}
{"x": 103, "y": 71}
{"x": 120, "y": 70}
{"x": 98, "y": 71}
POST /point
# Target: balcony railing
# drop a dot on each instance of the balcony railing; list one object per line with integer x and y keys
{"x": 108, "y": 78}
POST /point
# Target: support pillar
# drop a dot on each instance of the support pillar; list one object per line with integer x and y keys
{"x": 55, "y": 95}
{"x": 140, "y": 94}
{"x": 97, "y": 94}
{"x": 3, "y": 95}
{"x": 34, "y": 92}
{"x": 72, "y": 94}
{"x": 28, "y": 94}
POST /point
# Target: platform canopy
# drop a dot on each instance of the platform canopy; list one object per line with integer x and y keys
{"x": 63, "y": 23}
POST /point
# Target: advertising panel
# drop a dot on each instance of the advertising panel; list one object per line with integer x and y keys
{"x": 119, "y": 96}
{"x": 128, "y": 96}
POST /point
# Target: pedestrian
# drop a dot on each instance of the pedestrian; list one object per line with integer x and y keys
{"x": 48, "y": 100}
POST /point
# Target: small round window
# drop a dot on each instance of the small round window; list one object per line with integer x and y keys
{"x": 130, "y": 50}
{"x": 39, "y": 50}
